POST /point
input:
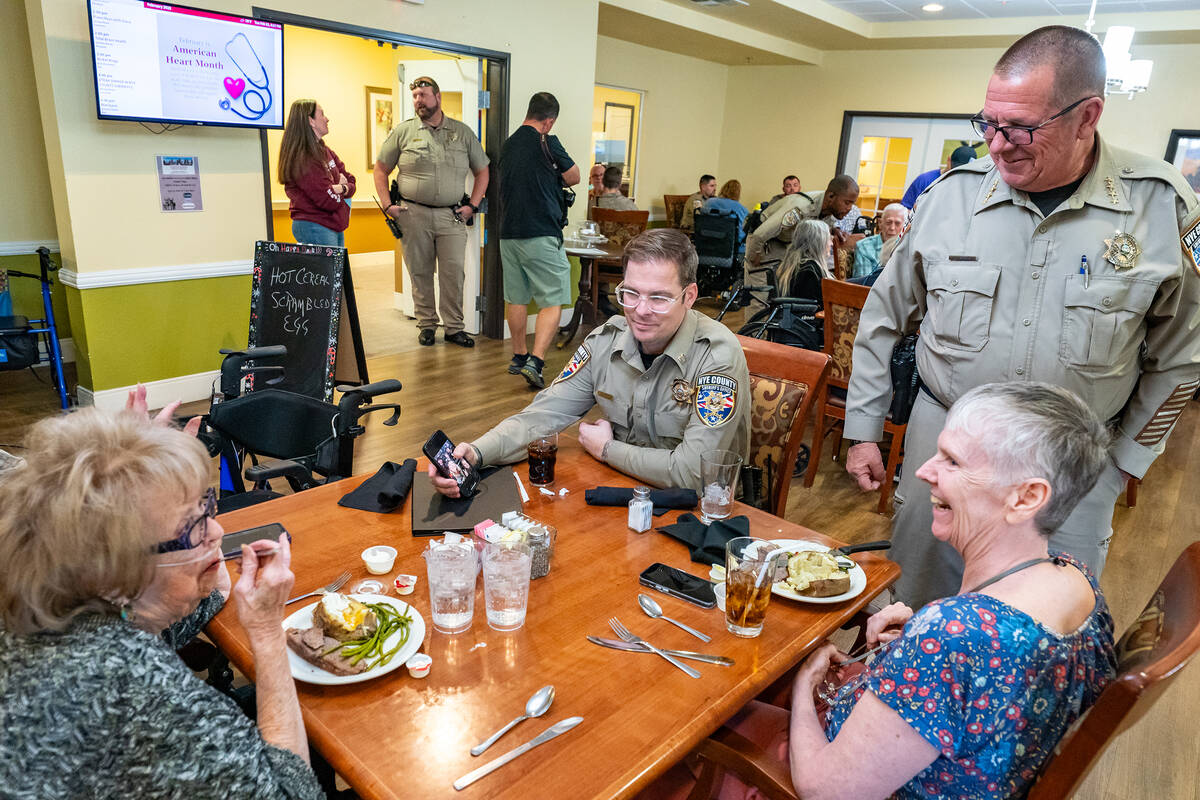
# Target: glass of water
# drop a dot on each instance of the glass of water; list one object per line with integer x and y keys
{"x": 718, "y": 476}
{"x": 451, "y": 571}
{"x": 506, "y": 568}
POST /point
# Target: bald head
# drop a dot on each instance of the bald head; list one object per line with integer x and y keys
{"x": 1073, "y": 55}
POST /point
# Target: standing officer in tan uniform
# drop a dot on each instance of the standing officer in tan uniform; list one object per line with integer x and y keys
{"x": 433, "y": 154}
{"x": 770, "y": 240}
{"x": 1057, "y": 259}
{"x": 672, "y": 382}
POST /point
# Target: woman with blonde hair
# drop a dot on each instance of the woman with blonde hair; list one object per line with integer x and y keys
{"x": 315, "y": 179}
{"x": 110, "y": 556}
{"x": 804, "y": 263}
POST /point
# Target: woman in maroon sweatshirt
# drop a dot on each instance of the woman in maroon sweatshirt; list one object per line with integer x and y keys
{"x": 315, "y": 179}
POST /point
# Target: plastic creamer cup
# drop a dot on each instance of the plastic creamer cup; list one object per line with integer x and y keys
{"x": 379, "y": 559}
{"x": 418, "y": 665}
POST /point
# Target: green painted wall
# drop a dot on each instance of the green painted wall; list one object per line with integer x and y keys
{"x": 83, "y": 365}
{"x": 156, "y": 331}
{"x": 27, "y": 293}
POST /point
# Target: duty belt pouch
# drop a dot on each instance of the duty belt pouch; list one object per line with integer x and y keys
{"x": 18, "y": 347}
{"x": 905, "y": 380}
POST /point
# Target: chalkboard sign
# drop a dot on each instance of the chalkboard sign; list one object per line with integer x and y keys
{"x": 302, "y": 297}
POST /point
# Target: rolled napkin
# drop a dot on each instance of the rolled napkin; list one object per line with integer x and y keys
{"x": 663, "y": 499}
{"x": 384, "y": 491}
{"x": 707, "y": 542}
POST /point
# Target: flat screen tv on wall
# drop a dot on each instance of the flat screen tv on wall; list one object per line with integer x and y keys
{"x": 157, "y": 62}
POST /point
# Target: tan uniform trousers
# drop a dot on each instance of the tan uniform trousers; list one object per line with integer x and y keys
{"x": 435, "y": 241}
{"x": 932, "y": 569}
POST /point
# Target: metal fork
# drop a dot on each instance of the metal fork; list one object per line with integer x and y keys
{"x": 333, "y": 586}
{"x": 623, "y": 632}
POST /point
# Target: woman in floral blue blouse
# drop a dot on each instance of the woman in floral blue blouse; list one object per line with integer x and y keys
{"x": 968, "y": 697}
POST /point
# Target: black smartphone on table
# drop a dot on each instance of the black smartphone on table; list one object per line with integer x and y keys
{"x": 231, "y": 543}
{"x": 440, "y": 450}
{"x": 678, "y": 583}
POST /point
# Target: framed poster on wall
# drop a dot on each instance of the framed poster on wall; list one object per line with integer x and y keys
{"x": 1183, "y": 150}
{"x": 380, "y": 111}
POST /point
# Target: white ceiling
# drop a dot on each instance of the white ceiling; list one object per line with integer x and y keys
{"x": 909, "y": 10}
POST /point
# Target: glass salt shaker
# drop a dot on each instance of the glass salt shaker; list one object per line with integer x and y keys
{"x": 641, "y": 508}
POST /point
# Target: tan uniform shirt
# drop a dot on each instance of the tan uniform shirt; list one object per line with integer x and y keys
{"x": 778, "y": 222}
{"x": 694, "y": 397}
{"x": 998, "y": 294}
{"x": 690, "y": 206}
{"x": 617, "y": 202}
{"x": 433, "y": 162}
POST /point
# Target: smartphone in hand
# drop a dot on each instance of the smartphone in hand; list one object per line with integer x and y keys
{"x": 440, "y": 450}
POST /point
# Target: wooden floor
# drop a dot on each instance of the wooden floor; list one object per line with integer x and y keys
{"x": 464, "y": 392}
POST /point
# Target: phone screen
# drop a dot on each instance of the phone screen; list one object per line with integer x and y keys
{"x": 678, "y": 583}
{"x": 448, "y": 465}
{"x": 231, "y": 543}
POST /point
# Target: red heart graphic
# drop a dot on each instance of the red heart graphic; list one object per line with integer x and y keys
{"x": 235, "y": 86}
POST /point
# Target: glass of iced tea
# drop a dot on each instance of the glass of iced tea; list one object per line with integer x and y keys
{"x": 543, "y": 452}
{"x": 749, "y": 573}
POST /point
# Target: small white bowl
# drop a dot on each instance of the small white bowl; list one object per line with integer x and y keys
{"x": 379, "y": 559}
{"x": 418, "y": 665}
{"x": 719, "y": 591}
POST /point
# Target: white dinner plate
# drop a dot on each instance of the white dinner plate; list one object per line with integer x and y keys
{"x": 858, "y": 578}
{"x": 311, "y": 673}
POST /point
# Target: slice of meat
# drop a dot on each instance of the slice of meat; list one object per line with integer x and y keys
{"x": 311, "y": 644}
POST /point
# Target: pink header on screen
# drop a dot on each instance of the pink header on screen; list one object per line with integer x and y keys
{"x": 196, "y": 12}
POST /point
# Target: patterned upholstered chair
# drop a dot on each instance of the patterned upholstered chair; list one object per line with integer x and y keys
{"x": 785, "y": 382}
{"x": 673, "y": 203}
{"x": 843, "y": 304}
{"x": 1150, "y": 655}
{"x": 619, "y": 227}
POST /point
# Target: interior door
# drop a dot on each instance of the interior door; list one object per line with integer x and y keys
{"x": 458, "y": 78}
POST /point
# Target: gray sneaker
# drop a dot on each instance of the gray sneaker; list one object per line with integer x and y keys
{"x": 533, "y": 375}
{"x": 518, "y": 361}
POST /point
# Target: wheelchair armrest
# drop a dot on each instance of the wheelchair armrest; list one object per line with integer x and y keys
{"x": 386, "y": 386}
{"x": 269, "y": 351}
{"x": 801, "y": 304}
{"x": 296, "y": 474}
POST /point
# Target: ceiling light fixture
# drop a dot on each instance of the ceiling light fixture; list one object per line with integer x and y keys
{"x": 932, "y": 8}
{"x": 1126, "y": 75}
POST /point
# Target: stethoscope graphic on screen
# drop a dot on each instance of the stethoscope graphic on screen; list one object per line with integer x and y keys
{"x": 236, "y": 87}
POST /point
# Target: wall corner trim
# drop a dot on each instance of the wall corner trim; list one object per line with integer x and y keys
{"x": 165, "y": 274}
{"x": 27, "y": 248}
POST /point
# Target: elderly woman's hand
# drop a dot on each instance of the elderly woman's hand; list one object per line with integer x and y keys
{"x": 887, "y": 624}
{"x": 136, "y": 402}
{"x": 263, "y": 588}
{"x": 814, "y": 668}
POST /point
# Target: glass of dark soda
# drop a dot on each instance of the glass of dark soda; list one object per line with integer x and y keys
{"x": 543, "y": 452}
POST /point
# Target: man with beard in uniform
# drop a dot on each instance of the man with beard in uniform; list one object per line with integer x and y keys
{"x": 1055, "y": 259}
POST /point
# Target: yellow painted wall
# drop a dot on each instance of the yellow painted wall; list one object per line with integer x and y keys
{"x": 606, "y": 94}
{"x": 27, "y": 211}
{"x": 788, "y": 119}
{"x": 683, "y": 105}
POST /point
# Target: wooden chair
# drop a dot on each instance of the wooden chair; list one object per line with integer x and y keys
{"x": 619, "y": 227}
{"x": 785, "y": 382}
{"x": 1150, "y": 655}
{"x": 843, "y": 304}
{"x": 843, "y": 256}
{"x": 673, "y": 203}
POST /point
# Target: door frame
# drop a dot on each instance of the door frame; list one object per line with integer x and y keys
{"x": 848, "y": 121}
{"x": 496, "y": 83}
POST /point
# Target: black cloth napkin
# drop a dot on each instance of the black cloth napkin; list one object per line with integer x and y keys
{"x": 707, "y": 542}
{"x": 663, "y": 499}
{"x": 384, "y": 491}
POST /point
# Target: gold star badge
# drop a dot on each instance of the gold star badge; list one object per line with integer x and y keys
{"x": 1111, "y": 187}
{"x": 1123, "y": 251}
{"x": 681, "y": 391}
{"x": 988, "y": 196}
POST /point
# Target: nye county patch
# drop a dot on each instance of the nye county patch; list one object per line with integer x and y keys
{"x": 716, "y": 397}
{"x": 578, "y": 360}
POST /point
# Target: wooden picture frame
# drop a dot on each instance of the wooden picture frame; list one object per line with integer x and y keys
{"x": 380, "y": 119}
{"x": 1183, "y": 150}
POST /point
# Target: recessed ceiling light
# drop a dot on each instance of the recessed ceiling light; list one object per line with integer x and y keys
{"x": 932, "y": 8}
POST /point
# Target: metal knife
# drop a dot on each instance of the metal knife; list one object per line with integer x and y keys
{"x": 543, "y": 737}
{"x": 617, "y": 644}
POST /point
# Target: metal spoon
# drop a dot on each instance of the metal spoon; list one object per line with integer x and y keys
{"x": 655, "y": 611}
{"x": 537, "y": 705}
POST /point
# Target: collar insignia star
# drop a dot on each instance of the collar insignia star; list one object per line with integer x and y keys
{"x": 1111, "y": 187}
{"x": 1123, "y": 251}
{"x": 988, "y": 196}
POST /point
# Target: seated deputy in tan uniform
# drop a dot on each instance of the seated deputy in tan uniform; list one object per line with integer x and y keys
{"x": 672, "y": 382}
{"x": 433, "y": 154}
{"x": 695, "y": 201}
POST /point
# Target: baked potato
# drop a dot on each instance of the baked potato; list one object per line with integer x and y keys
{"x": 344, "y": 618}
{"x": 816, "y": 574}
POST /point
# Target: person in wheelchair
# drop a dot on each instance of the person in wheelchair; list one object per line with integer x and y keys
{"x": 728, "y": 202}
{"x": 804, "y": 263}
{"x": 109, "y": 556}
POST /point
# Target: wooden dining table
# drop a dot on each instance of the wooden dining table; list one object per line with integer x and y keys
{"x": 396, "y": 736}
{"x": 587, "y": 303}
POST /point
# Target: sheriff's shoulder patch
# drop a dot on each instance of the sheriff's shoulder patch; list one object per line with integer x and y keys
{"x": 716, "y": 398}
{"x": 578, "y": 360}
{"x": 1190, "y": 239}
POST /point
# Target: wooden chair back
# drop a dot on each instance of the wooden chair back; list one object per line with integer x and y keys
{"x": 785, "y": 382}
{"x": 673, "y": 203}
{"x": 843, "y": 305}
{"x": 843, "y": 256}
{"x": 1150, "y": 655}
{"x": 620, "y": 226}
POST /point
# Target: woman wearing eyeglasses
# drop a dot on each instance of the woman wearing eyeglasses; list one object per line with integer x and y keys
{"x": 315, "y": 179}
{"x": 109, "y": 555}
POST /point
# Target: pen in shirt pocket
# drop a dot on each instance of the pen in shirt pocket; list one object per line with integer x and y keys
{"x": 1083, "y": 270}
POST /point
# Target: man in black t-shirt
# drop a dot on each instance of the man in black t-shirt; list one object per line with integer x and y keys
{"x": 534, "y": 168}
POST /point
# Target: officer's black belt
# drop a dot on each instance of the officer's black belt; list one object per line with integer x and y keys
{"x": 404, "y": 199}
{"x": 925, "y": 391}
